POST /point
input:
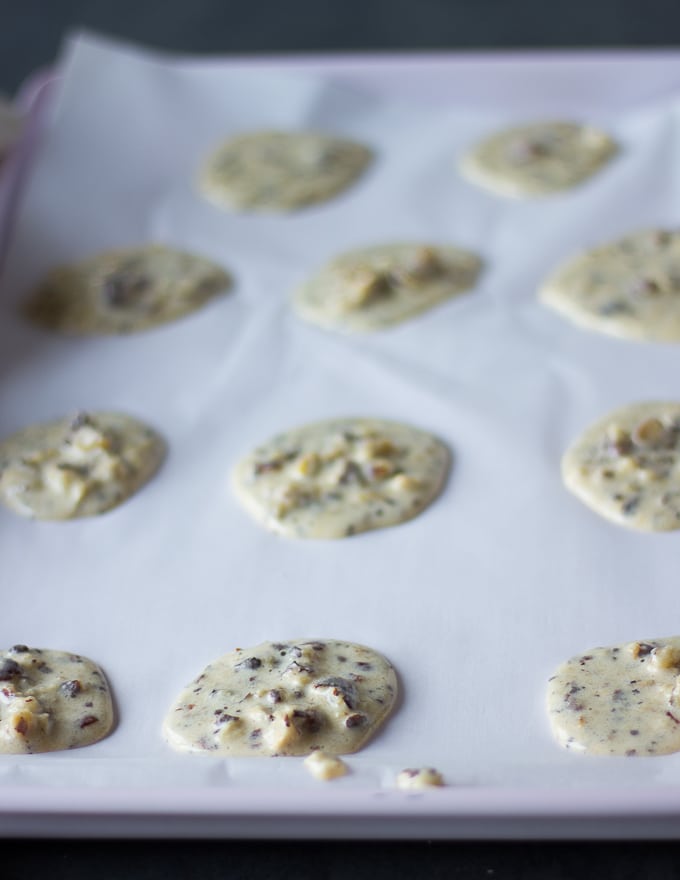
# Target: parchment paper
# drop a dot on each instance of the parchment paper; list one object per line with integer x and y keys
{"x": 476, "y": 601}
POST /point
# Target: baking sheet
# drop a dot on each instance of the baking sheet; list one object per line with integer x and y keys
{"x": 477, "y": 600}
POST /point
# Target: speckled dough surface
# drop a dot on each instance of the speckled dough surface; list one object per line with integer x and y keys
{"x": 623, "y": 700}
{"x": 630, "y": 288}
{"x": 284, "y": 698}
{"x": 372, "y": 288}
{"x": 51, "y": 700}
{"x": 77, "y": 466}
{"x": 626, "y": 466}
{"x": 125, "y": 291}
{"x": 537, "y": 159}
{"x": 278, "y": 171}
{"x": 337, "y": 478}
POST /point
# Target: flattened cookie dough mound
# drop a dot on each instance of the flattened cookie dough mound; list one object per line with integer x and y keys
{"x": 125, "y": 291}
{"x": 626, "y": 467}
{"x": 77, "y": 466}
{"x": 375, "y": 287}
{"x": 629, "y": 289}
{"x": 337, "y": 478}
{"x": 278, "y": 171}
{"x": 623, "y": 700}
{"x": 51, "y": 700}
{"x": 537, "y": 159}
{"x": 285, "y": 698}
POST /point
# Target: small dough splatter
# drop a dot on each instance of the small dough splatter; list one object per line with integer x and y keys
{"x": 623, "y": 700}
{"x": 278, "y": 171}
{"x": 626, "y": 467}
{"x": 125, "y": 291}
{"x": 629, "y": 288}
{"x": 325, "y": 767}
{"x": 422, "y": 777}
{"x": 375, "y": 287}
{"x": 338, "y": 478}
{"x": 285, "y": 698}
{"x": 51, "y": 700}
{"x": 78, "y": 466}
{"x": 537, "y": 159}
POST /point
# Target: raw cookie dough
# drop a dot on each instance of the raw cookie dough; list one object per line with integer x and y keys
{"x": 340, "y": 477}
{"x": 278, "y": 171}
{"x": 537, "y": 159}
{"x": 619, "y": 701}
{"x": 372, "y": 288}
{"x": 285, "y": 698}
{"x": 626, "y": 466}
{"x": 77, "y": 466}
{"x": 51, "y": 700}
{"x": 630, "y": 288}
{"x": 423, "y": 777}
{"x": 125, "y": 291}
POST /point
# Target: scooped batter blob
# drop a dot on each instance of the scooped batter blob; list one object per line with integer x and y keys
{"x": 279, "y": 171}
{"x": 623, "y": 700}
{"x": 285, "y": 698}
{"x": 78, "y": 466}
{"x": 372, "y": 288}
{"x": 125, "y": 291}
{"x": 51, "y": 700}
{"x": 626, "y": 467}
{"x": 340, "y": 477}
{"x": 537, "y": 159}
{"x": 629, "y": 289}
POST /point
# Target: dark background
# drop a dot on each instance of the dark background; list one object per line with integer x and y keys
{"x": 30, "y": 36}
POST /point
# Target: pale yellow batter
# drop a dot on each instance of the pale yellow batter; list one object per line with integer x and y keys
{"x": 630, "y": 288}
{"x": 623, "y": 700}
{"x": 340, "y": 477}
{"x": 51, "y": 700}
{"x": 79, "y": 466}
{"x": 537, "y": 159}
{"x": 125, "y": 291}
{"x": 285, "y": 698}
{"x": 375, "y": 287}
{"x": 626, "y": 466}
{"x": 279, "y": 171}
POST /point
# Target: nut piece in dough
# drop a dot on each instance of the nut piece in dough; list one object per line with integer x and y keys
{"x": 629, "y": 288}
{"x": 77, "y": 466}
{"x": 376, "y": 287}
{"x": 51, "y": 700}
{"x": 422, "y": 777}
{"x": 284, "y": 698}
{"x": 125, "y": 291}
{"x": 626, "y": 467}
{"x": 623, "y": 700}
{"x": 341, "y": 477}
{"x": 278, "y": 171}
{"x": 537, "y": 159}
{"x": 325, "y": 767}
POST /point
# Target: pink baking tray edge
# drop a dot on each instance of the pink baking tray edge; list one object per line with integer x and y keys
{"x": 454, "y": 812}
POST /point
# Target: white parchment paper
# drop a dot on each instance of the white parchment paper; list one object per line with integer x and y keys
{"x": 476, "y": 601}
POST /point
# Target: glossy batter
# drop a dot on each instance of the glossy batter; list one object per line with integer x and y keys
{"x": 630, "y": 288}
{"x": 78, "y": 466}
{"x": 375, "y": 287}
{"x": 125, "y": 291}
{"x": 280, "y": 171}
{"x": 325, "y": 767}
{"x": 51, "y": 700}
{"x": 337, "y": 478}
{"x": 285, "y": 698}
{"x": 623, "y": 700}
{"x": 626, "y": 467}
{"x": 537, "y": 159}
